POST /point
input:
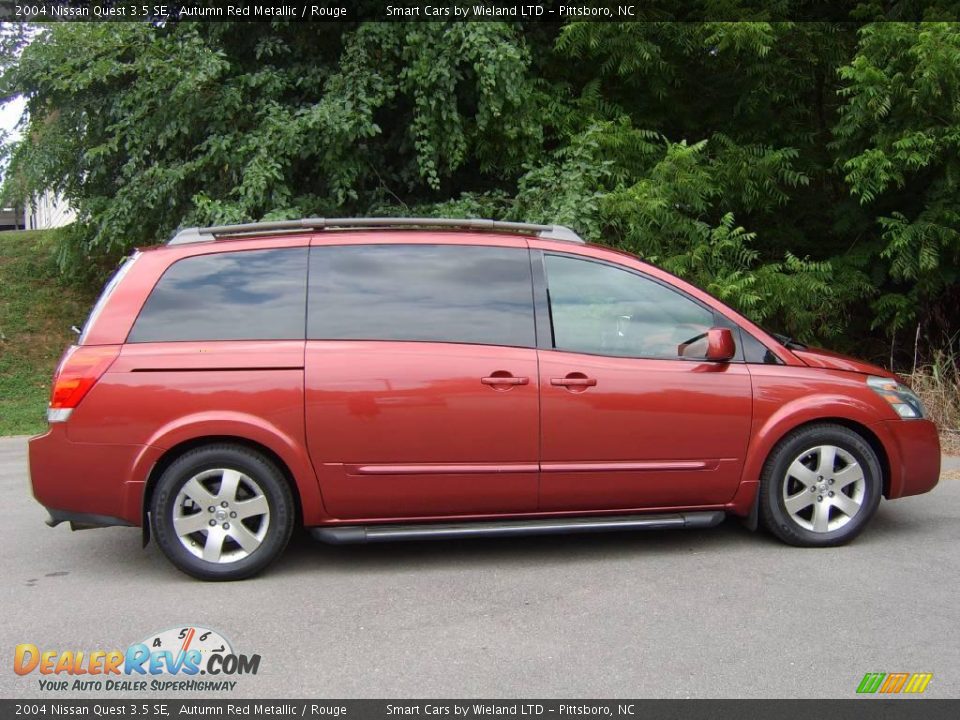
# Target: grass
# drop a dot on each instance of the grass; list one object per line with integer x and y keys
{"x": 36, "y": 312}
{"x": 938, "y": 385}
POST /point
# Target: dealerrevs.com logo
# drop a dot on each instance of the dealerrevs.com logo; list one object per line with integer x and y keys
{"x": 172, "y": 660}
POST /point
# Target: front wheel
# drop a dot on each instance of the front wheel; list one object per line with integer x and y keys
{"x": 820, "y": 486}
{"x": 222, "y": 512}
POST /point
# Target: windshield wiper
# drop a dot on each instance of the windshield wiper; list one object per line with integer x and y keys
{"x": 788, "y": 342}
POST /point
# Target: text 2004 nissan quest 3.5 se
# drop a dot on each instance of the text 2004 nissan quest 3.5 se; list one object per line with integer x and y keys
{"x": 382, "y": 379}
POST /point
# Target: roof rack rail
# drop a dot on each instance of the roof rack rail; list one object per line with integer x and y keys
{"x": 195, "y": 234}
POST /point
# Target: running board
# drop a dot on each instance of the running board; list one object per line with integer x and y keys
{"x": 349, "y": 534}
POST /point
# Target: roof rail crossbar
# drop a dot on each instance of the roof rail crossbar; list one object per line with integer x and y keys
{"x": 194, "y": 234}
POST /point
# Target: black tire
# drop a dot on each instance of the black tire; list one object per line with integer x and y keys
{"x": 800, "y": 445}
{"x": 258, "y": 473}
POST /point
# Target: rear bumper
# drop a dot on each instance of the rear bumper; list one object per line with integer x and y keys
{"x": 82, "y": 521}
{"x": 89, "y": 484}
{"x": 913, "y": 449}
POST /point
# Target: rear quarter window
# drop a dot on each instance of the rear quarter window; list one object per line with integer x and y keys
{"x": 242, "y": 295}
{"x": 104, "y": 298}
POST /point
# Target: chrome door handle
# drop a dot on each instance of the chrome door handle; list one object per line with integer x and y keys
{"x": 574, "y": 381}
{"x": 504, "y": 380}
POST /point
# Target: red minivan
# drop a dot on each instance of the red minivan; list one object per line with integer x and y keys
{"x": 381, "y": 379}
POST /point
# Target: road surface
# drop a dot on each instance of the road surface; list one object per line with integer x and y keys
{"x": 673, "y": 614}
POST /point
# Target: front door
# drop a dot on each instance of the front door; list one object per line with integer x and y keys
{"x": 633, "y": 416}
{"x": 421, "y": 380}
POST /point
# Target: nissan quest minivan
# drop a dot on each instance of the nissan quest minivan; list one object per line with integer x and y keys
{"x": 386, "y": 379}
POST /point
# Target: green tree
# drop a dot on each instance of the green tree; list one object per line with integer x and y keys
{"x": 144, "y": 128}
{"x": 804, "y": 172}
{"x": 898, "y": 138}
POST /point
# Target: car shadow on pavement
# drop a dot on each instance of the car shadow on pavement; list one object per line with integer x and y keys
{"x": 119, "y": 548}
{"x": 305, "y": 553}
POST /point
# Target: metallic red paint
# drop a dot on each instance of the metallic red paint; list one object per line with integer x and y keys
{"x": 685, "y": 423}
{"x": 913, "y": 455}
{"x": 378, "y": 431}
{"x": 720, "y": 345}
{"x": 407, "y": 406}
{"x": 819, "y": 358}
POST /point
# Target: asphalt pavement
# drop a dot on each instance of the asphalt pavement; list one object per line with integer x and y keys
{"x": 672, "y": 614}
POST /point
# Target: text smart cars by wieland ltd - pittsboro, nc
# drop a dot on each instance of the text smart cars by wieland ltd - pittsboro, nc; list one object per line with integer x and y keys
{"x": 388, "y": 379}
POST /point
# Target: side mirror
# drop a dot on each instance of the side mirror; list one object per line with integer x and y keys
{"x": 720, "y": 345}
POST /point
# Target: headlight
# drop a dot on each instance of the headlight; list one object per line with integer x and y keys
{"x": 901, "y": 398}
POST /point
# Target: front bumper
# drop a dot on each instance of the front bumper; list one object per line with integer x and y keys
{"x": 913, "y": 450}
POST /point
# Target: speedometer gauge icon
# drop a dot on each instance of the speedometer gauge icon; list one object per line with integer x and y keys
{"x": 189, "y": 637}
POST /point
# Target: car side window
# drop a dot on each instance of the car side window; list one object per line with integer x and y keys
{"x": 241, "y": 295}
{"x": 755, "y": 352}
{"x": 431, "y": 293}
{"x": 604, "y": 310}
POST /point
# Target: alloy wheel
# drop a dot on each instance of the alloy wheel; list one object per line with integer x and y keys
{"x": 824, "y": 488}
{"x": 221, "y": 515}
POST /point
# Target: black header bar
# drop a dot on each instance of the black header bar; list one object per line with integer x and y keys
{"x": 241, "y": 709}
{"x": 161, "y": 11}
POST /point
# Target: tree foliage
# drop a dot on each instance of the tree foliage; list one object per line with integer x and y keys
{"x": 806, "y": 173}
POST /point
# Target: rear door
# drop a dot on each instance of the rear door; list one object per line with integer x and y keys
{"x": 421, "y": 380}
{"x": 633, "y": 416}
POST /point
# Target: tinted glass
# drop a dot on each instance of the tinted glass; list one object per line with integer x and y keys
{"x": 440, "y": 293}
{"x": 248, "y": 295}
{"x": 603, "y": 310}
{"x": 756, "y": 352}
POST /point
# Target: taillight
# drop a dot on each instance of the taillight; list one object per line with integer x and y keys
{"x": 81, "y": 367}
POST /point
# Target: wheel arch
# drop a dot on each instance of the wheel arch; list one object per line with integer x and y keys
{"x": 171, "y": 454}
{"x": 871, "y": 439}
{"x": 752, "y": 476}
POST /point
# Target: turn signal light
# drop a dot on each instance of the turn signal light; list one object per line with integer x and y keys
{"x": 901, "y": 398}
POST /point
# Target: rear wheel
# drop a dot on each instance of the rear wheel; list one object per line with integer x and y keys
{"x": 222, "y": 512}
{"x": 820, "y": 486}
